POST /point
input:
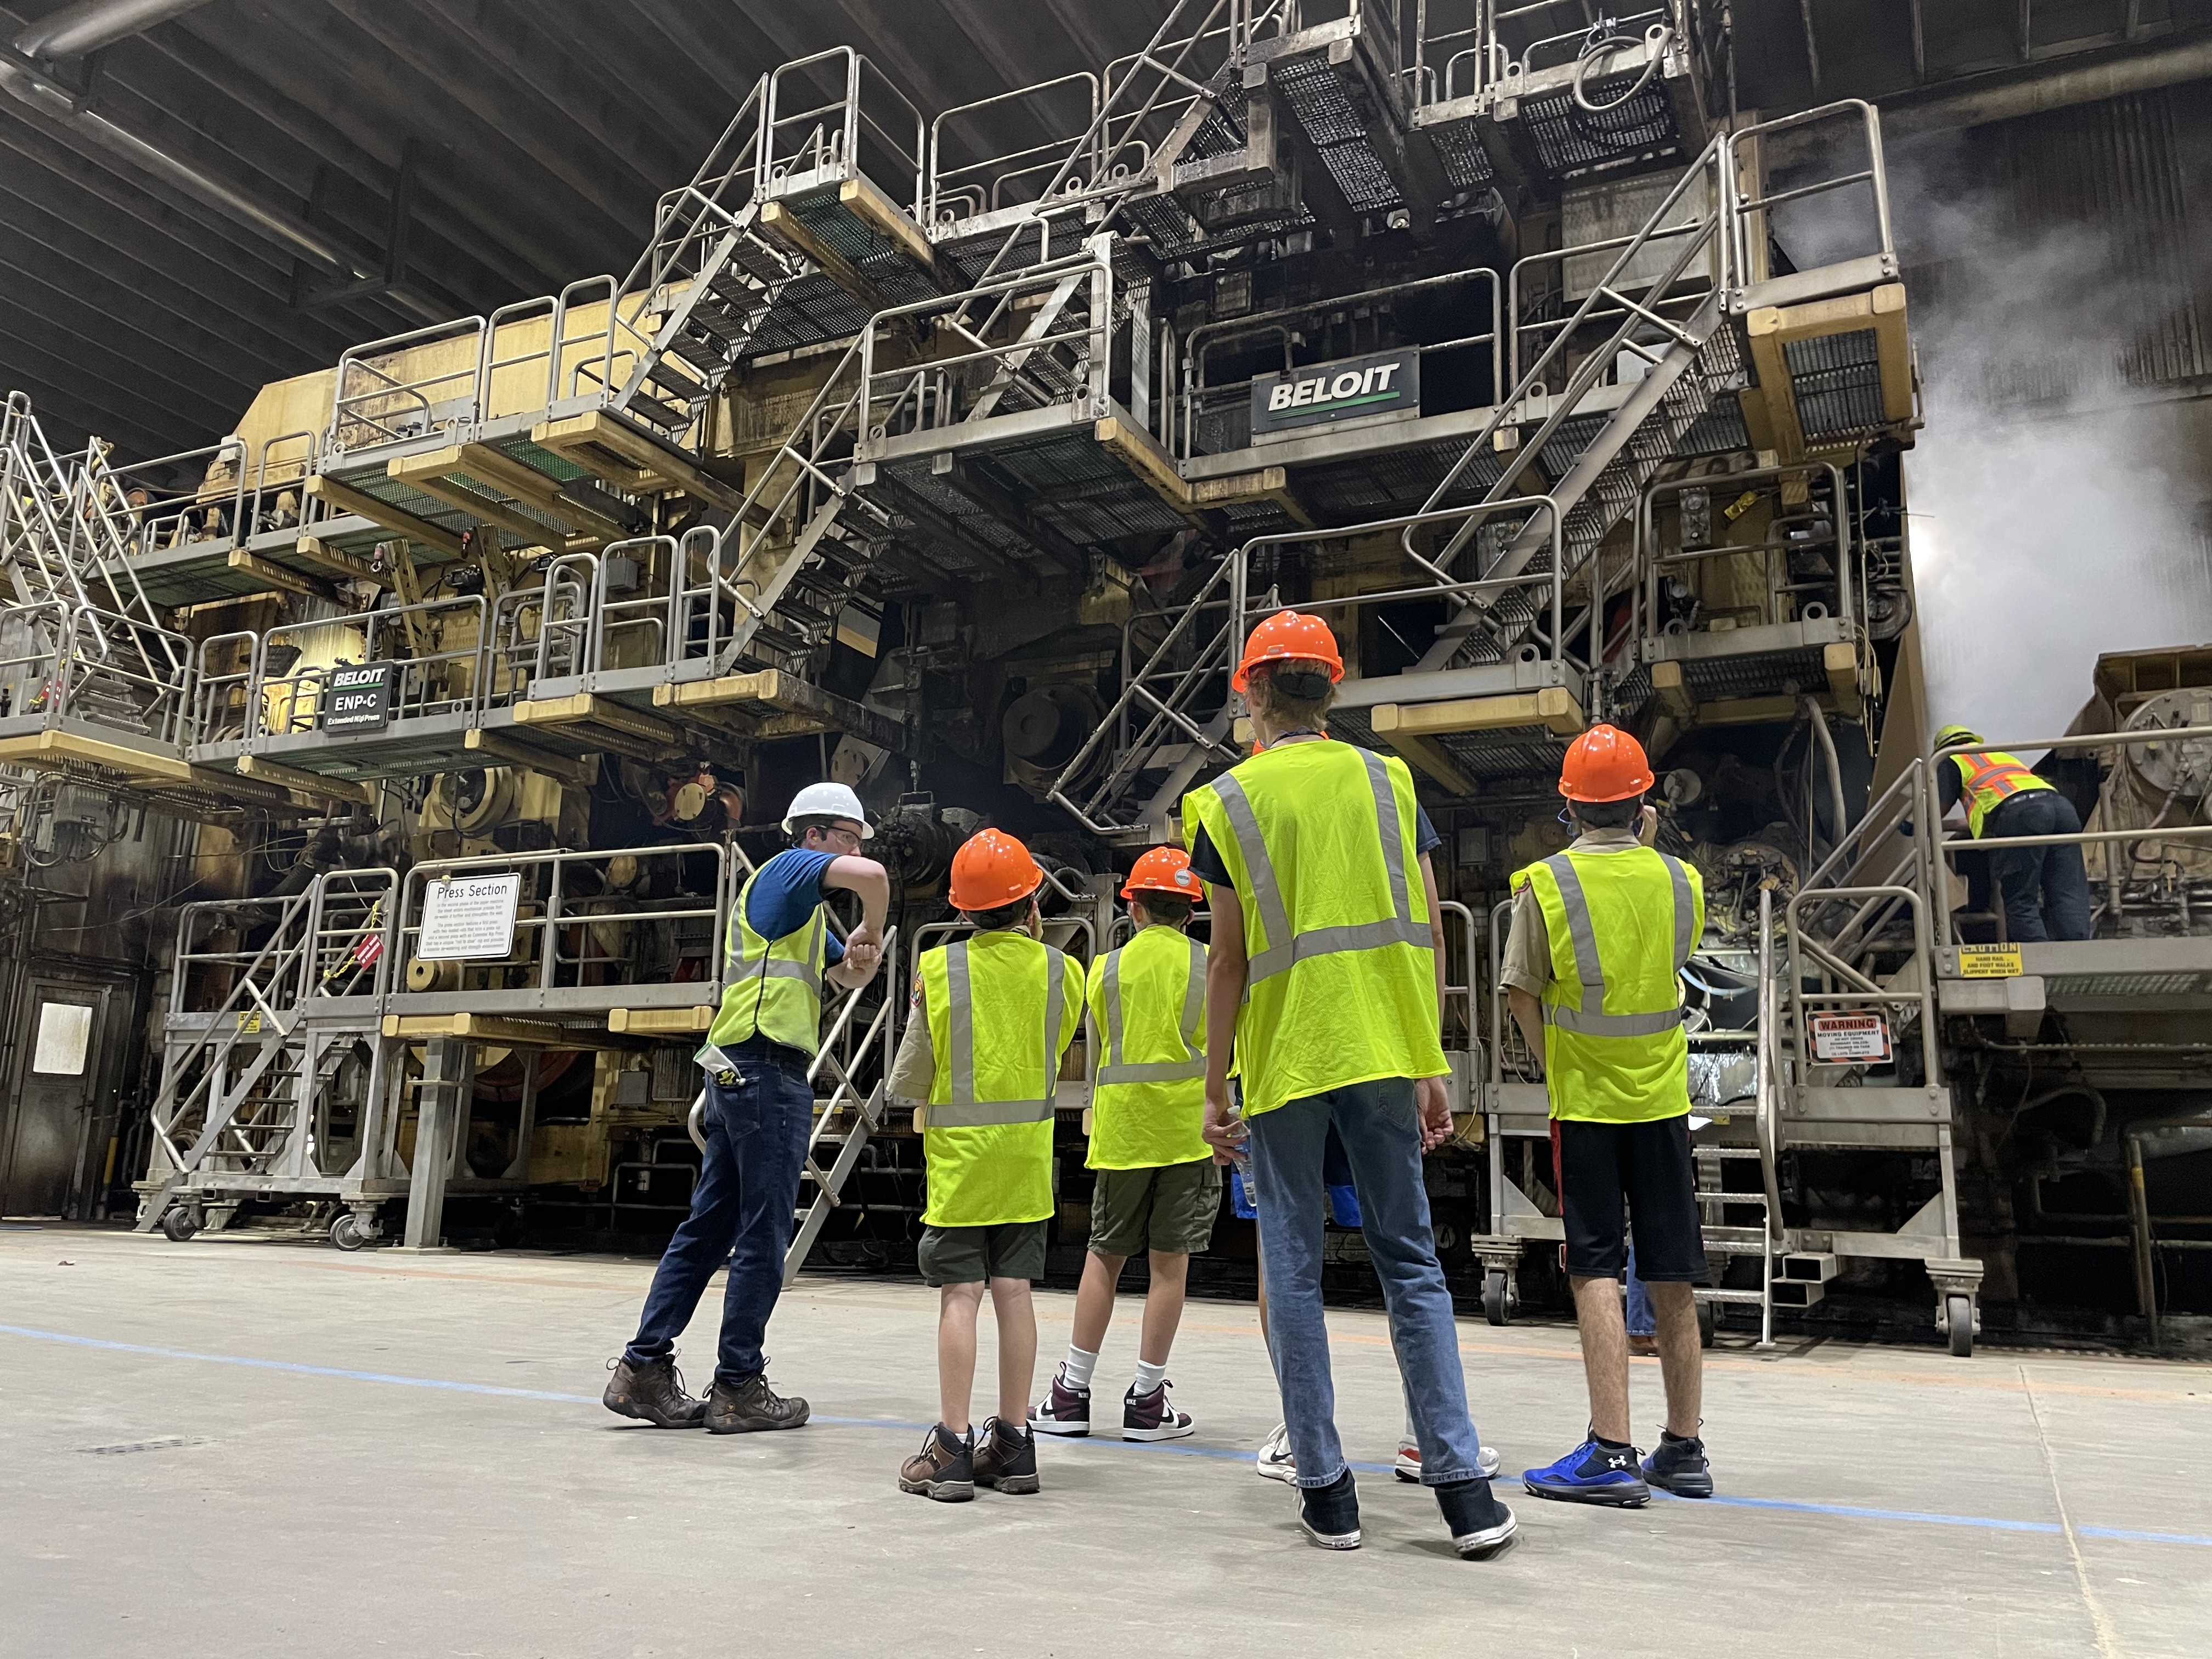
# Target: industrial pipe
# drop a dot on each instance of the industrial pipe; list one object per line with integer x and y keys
{"x": 1820, "y": 719}
{"x": 2059, "y": 88}
{"x": 54, "y": 103}
{"x": 89, "y": 25}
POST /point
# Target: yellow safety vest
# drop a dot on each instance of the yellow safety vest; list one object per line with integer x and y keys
{"x": 1319, "y": 839}
{"x": 772, "y": 987}
{"x": 1620, "y": 926}
{"x": 1148, "y": 1094}
{"x": 1002, "y": 1009}
{"x": 1987, "y": 777}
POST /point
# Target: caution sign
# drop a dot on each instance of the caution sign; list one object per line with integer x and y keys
{"x": 469, "y": 918}
{"x": 358, "y": 698}
{"x": 1848, "y": 1039}
{"x": 1989, "y": 962}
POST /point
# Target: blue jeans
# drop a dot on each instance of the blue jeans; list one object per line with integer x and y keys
{"x": 2045, "y": 888}
{"x": 1381, "y": 1137}
{"x": 743, "y": 1212}
{"x": 1641, "y": 1320}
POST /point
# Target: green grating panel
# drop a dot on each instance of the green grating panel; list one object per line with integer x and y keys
{"x": 538, "y": 458}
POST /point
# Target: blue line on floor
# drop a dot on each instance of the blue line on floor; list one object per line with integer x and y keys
{"x": 1180, "y": 1448}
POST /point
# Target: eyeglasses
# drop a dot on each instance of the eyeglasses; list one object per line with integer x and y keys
{"x": 851, "y": 838}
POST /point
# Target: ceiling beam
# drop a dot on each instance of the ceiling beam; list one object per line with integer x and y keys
{"x": 480, "y": 117}
{"x": 235, "y": 107}
{"x": 127, "y": 357}
{"x": 488, "y": 168}
{"x": 347, "y": 133}
{"x": 98, "y": 404}
{"x": 90, "y": 231}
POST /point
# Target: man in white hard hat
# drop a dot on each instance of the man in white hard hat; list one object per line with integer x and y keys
{"x": 759, "y": 1113}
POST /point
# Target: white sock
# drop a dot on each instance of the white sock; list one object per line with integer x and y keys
{"x": 1149, "y": 1377}
{"x": 1410, "y": 1437}
{"x": 1078, "y": 1367}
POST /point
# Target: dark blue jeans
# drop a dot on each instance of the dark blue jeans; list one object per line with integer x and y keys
{"x": 743, "y": 1212}
{"x": 2045, "y": 888}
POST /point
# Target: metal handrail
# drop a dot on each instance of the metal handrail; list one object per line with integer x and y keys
{"x": 346, "y": 405}
{"x": 546, "y": 956}
{"x": 1648, "y": 560}
{"x": 1931, "y": 807}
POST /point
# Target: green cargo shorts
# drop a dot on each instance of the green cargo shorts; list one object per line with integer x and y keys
{"x": 1169, "y": 1209}
{"x": 970, "y": 1255}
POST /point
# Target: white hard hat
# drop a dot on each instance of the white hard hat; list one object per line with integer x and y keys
{"x": 827, "y": 801}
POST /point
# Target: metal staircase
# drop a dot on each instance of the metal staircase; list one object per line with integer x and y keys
{"x": 245, "y": 1107}
{"x": 86, "y": 647}
{"x": 702, "y": 288}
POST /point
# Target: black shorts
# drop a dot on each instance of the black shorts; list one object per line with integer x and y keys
{"x": 1601, "y": 1166}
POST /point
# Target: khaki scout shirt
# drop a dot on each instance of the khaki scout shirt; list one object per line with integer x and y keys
{"x": 1527, "y": 964}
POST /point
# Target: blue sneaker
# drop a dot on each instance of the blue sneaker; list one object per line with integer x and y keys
{"x": 1591, "y": 1474}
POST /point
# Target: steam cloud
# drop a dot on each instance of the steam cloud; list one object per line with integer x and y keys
{"x": 2054, "y": 517}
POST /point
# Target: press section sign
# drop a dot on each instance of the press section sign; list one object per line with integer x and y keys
{"x": 1341, "y": 391}
{"x": 357, "y": 697}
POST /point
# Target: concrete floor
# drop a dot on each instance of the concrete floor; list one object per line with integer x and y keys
{"x": 256, "y": 1449}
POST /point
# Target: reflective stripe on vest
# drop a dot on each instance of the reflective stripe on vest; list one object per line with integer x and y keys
{"x": 771, "y": 987}
{"x": 964, "y": 1111}
{"x": 1169, "y": 1070}
{"x": 1590, "y": 1018}
{"x": 1988, "y": 778}
{"x": 1284, "y": 948}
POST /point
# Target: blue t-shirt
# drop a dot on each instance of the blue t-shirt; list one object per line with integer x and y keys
{"x": 785, "y": 894}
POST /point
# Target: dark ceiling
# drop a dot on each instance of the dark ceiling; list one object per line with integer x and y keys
{"x": 546, "y": 129}
{"x": 543, "y": 130}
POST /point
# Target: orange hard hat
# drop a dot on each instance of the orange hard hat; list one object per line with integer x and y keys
{"x": 1289, "y": 635}
{"x": 1162, "y": 870}
{"x": 1605, "y": 763}
{"x": 991, "y": 871}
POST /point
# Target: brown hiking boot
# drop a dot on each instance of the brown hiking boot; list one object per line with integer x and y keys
{"x": 652, "y": 1391}
{"x": 945, "y": 1467}
{"x": 750, "y": 1406}
{"x": 1006, "y": 1457}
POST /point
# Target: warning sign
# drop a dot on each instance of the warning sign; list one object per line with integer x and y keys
{"x": 469, "y": 918}
{"x": 358, "y": 698}
{"x": 1989, "y": 962}
{"x": 1848, "y": 1039}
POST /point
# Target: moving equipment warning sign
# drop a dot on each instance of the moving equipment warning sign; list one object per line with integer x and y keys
{"x": 357, "y": 697}
{"x": 1848, "y": 1039}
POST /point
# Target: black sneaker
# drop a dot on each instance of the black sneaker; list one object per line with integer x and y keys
{"x": 749, "y": 1407}
{"x": 945, "y": 1467}
{"x": 652, "y": 1391}
{"x": 1329, "y": 1515}
{"x": 1478, "y": 1523}
{"x": 1679, "y": 1466}
{"x": 1006, "y": 1457}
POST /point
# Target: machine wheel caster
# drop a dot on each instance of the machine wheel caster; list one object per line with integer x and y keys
{"x": 350, "y": 1232}
{"x": 1958, "y": 1316}
{"x": 179, "y": 1224}
{"x": 1708, "y": 1323}
{"x": 1497, "y": 1297}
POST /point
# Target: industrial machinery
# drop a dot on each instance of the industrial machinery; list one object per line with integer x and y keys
{"x": 1565, "y": 393}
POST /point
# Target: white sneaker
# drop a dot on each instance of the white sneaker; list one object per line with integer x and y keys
{"x": 1408, "y": 1464}
{"x": 1276, "y": 1463}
